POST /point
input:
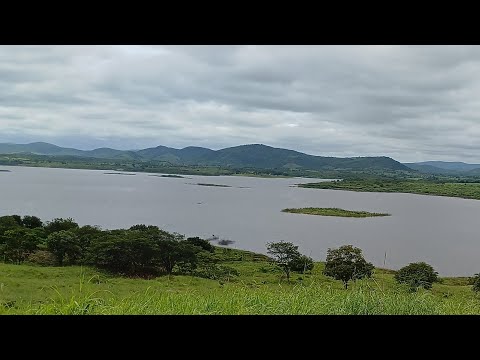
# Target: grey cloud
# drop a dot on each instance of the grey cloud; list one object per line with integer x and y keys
{"x": 410, "y": 102}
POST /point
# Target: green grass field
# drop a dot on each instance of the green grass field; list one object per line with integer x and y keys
{"x": 333, "y": 212}
{"x": 259, "y": 289}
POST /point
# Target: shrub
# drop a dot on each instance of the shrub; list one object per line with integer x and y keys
{"x": 302, "y": 263}
{"x": 32, "y": 222}
{"x": 417, "y": 275}
{"x": 476, "y": 283}
{"x": 204, "y": 244}
{"x": 60, "y": 224}
{"x": 217, "y": 272}
{"x": 42, "y": 258}
{"x": 64, "y": 244}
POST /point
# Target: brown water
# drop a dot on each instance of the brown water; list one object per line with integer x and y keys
{"x": 439, "y": 230}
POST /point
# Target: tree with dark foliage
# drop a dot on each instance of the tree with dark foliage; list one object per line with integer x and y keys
{"x": 417, "y": 275}
{"x": 347, "y": 263}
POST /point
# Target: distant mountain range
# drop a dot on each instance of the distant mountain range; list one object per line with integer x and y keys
{"x": 251, "y": 156}
{"x": 445, "y": 167}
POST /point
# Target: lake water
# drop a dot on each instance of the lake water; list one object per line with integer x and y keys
{"x": 439, "y": 230}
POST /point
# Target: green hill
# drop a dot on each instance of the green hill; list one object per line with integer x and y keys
{"x": 445, "y": 168}
{"x": 256, "y": 156}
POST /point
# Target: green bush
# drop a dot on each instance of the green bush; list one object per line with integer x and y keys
{"x": 64, "y": 245}
{"x": 32, "y": 222}
{"x": 302, "y": 263}
{"x": 19, "y": 243}
{"x": 142, "y": 252}
{"x": 476, "y": 283}
{"x": 60, "y": 224}
{"x": 204, "y": 244}
{"x": 42, "y": 258}
{"x": 417, "y": 275}
{"x": 217, "y": 272}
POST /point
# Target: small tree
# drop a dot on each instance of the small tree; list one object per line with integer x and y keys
{"x": 284, "y": 255}
{"x": 143, "y": 227}
{"x": 64, "y": 243}
{"x": 204, "y": 244}
{"x": 125, "y": 252}
{"x": 60, "y": 224}
{"x": 347, "y": 263}
{"x": 18, "y": 219}
{"x": 31, "y": 222}
{"x": 173, "y": 252}
{"x": 476, "y": 283}
{"x": 86, "y": 234}
{"x": 19, "y": 244}
{"x": 303, "y": 263}
{"x": 7, "y": 223}
{"x": 417, "y": 275}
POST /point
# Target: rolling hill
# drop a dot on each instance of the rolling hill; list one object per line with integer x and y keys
{"x": 243, "y": 156}
{"x": 445, "y": 167}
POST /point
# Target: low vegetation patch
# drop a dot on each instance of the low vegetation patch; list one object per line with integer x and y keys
{"x": 169, "y": 176}
{"x": 466, "y": 190}
{"x": 333, "y": 212}
{"x": 216, "y": 185}
{"x": 116, "y": 173}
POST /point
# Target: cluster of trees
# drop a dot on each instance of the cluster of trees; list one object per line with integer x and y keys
{"x": 348, "y": 264}
{"x": 138, "y": 251}
{"x": 345, "y": 264}
{"x": 147, "y": 251}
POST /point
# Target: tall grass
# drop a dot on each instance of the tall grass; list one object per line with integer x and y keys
{"x": 362, "y": 299}
{"x": 27, "y": 289}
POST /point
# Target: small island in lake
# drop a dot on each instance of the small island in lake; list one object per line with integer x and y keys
{"x": 117, "y": 173}
{"x": 5, "y": 170}
{"x": 169, "y": 176}
{"x": 333, "y": 212}
{"x": 217, "y": 185}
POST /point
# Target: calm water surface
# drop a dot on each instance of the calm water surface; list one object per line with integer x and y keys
{"x": 439, "y": 230}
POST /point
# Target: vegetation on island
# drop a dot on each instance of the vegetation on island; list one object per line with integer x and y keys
{"x": 169, "y": 176}
{"x": 214, "y": 185}
{"x": 333, "y": 212}
{"x": 60, "y": 267}
{"x": 465, "y": 189}
{"x": 118, "y": 173}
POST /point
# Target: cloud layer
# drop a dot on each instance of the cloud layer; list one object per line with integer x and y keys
{"x": 412, "y": 103}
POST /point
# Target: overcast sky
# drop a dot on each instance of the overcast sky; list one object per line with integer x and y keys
{"x": 412, "y": 103}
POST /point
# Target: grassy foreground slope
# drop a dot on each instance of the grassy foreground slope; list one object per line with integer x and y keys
{"x": 26, "y": 289}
